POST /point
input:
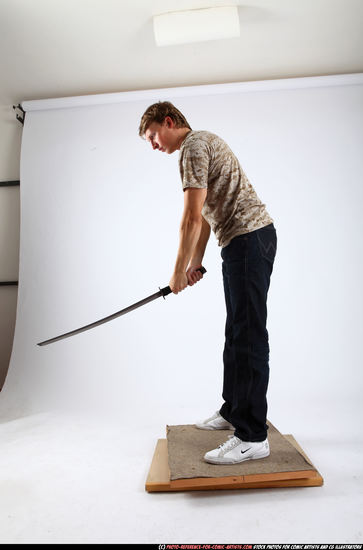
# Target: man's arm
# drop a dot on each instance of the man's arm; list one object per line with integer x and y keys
{"x": 196, "y": 260}
{"x": 200, "y": 247}
{"x": 190, "y": 231}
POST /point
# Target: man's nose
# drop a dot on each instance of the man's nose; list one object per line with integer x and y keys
{"x": 155, "y": 145}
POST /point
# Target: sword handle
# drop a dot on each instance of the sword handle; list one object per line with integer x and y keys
{"x": 167, "y": 290}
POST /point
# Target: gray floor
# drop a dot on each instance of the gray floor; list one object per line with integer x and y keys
{"x": 81, "y": 479}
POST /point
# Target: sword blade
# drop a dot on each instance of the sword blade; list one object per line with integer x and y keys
{"x": 141, "y": 303}
{"x": 162, "y": 292}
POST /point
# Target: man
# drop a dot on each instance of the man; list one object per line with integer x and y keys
{"x": 219, "y": 196}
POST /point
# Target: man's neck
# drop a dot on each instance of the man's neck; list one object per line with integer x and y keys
{"x": 182, "y": 134}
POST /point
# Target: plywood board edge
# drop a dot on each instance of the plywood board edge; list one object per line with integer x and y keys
{"x": 158, "y": 479}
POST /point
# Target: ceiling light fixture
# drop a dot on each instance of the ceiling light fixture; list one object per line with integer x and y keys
{"x": 197, "y": 25}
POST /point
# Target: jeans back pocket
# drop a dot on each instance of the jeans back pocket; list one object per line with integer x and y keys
{"x": 267, "y": 242}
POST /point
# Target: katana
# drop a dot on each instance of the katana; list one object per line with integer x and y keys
{"x": 162, "y": 292}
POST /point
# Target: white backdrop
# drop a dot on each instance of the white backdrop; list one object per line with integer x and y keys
{"x": 100, "y": 215}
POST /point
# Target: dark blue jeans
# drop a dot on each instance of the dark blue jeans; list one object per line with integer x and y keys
{"x": 247, "y": 267}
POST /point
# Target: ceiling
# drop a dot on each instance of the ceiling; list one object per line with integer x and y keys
{"x": 58, "y": 48}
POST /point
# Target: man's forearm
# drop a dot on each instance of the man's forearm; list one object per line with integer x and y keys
{"x": 198, "y": 252}
{"x": 190, "y": 230}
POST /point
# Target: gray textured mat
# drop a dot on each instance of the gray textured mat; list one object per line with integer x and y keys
{"x": 187, "y": 446}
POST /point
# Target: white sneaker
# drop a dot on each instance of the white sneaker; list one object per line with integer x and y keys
{"x": 215, "y": 422}
{"x": 235, "y": 450}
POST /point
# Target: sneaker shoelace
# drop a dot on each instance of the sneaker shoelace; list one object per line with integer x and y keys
{"x": 232, "y": 442}
{"x": 215, "y": 415}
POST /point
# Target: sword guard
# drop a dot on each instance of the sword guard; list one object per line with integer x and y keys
{"x": 165, "y": 291}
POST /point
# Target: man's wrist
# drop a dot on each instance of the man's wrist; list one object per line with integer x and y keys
{"x": 195, "y": 261}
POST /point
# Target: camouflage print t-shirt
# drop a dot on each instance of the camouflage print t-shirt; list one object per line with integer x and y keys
{"x": 232, "y": 206}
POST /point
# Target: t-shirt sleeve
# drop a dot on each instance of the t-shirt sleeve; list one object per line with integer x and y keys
{"x": 194, "y": 165}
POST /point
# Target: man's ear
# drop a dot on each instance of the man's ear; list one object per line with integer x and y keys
{"x": 169, "y": 122}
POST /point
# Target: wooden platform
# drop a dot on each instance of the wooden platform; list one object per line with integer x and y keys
{"x": 158, "y": 479}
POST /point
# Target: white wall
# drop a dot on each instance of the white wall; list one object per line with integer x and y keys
{"x": 10, "y": 141}
{"x": 99, "y": 221}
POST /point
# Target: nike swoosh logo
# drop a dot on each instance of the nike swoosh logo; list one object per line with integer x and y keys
{"x": 246, "y": 450}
